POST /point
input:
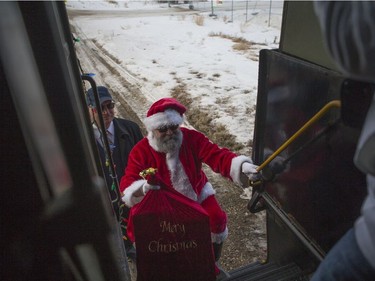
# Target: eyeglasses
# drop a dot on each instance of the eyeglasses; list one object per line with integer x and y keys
{"x": 164, "y": 129}
{"x": 108, "y": 106}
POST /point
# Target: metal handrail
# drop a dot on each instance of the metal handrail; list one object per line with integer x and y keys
{"x": 312, "y": 120}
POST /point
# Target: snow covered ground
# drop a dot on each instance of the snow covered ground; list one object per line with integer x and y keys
{"x": 144, "y": 49}
{"x": 212, "y": 50}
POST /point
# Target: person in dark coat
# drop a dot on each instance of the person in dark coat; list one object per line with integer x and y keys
{"x": 348, "y": 28}
{"x": 122, "y": 135}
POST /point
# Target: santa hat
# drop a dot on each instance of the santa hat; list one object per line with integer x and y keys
{"x": 164, "y": 112}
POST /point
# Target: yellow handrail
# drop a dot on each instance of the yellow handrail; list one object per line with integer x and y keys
{"x": 316, "y": 117}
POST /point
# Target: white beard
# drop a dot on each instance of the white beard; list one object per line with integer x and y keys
{"x": 168, "y": 144}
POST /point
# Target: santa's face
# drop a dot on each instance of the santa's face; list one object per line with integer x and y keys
{"x": 167, "y": 139}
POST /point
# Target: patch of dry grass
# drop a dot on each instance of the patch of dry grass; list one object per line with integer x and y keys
{"x": 240, "y": 44}
{"x": 158, "y": 83}
{"x": 204, "y": 122}
{"x": 237, "y": 40}
{"x": 197, "y": 74}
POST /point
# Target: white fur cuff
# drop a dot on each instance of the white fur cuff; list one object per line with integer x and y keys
{"x": 129, "y": 198}
{"x": 207, "y": 191}
{"x": 219, "y": 237}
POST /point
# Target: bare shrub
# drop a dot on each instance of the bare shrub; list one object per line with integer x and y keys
{"x": 199, "y": 20}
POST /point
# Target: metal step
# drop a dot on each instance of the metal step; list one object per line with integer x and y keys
{"x": 267, "y": 272}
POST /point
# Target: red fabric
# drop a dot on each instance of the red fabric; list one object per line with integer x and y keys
{"x": 172, "y": 236}
{"x": 218, "y": 218}
{"x": 196, "y": 149}
{"x": 165, "y": 103}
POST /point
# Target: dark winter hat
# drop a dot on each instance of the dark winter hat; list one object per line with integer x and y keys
{"x": 164, "y": 112}
{"x": 104, "y": 95}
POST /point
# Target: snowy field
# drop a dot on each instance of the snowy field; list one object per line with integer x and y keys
{"x": 212, "y": 50}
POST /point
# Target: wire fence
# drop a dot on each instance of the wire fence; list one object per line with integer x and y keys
{"x": 236, "y": 10}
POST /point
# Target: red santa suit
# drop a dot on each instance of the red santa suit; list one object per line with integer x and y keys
{"x": 182, "y": 170}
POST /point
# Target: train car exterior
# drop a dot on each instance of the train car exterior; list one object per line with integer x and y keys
{"x": 56, "y": 219}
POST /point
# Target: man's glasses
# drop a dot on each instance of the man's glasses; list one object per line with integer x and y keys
{"x": 164, "y": 129}
{"x": 108, "y": 106}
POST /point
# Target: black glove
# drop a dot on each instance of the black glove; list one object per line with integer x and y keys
{"x": 275, "y": 167}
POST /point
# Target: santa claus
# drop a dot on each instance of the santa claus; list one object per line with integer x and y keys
{"x": 178, "y": 154}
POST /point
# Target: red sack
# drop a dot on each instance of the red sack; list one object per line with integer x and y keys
{"x": 173, "y": 238}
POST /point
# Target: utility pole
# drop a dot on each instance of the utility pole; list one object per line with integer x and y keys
{"x": 269, "y": 14}
{"x": 232, "y": 12}
{"x": 247, "y": 1}
{"x": 212, "y": 9}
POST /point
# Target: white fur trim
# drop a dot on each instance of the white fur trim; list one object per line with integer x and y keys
{"x": 179, "y": 179}
{"x": 152, "y": 141}
{"x": 129, "y": 198}
{"x": 236, "y": 169}
{"x": 168, "y": 117}
{"x": 207, "y": 191}
{"x": 219, "y": 237}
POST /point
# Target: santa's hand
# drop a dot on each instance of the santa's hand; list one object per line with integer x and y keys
{"x": 146, "y": 187}
{"x": 250, "y": 170}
